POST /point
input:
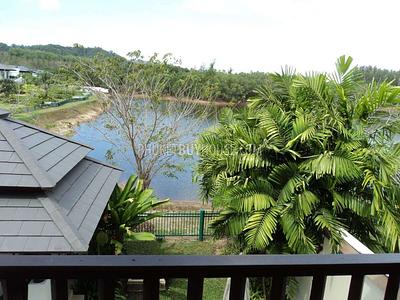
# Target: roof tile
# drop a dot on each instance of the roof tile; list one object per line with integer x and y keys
{"x": 71, "y": 190}
{"x": 32, "y": 227}
{"x": 13, "y": 244}
{"x": 10, "y": 227}
{"x": 37, "y": 244}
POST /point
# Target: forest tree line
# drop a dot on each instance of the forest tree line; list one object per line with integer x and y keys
{"x": 210, "y": 83}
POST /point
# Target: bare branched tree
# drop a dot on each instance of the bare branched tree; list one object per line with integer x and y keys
{"x": 146, "y": 126}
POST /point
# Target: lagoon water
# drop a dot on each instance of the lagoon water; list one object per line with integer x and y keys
{"x": 180, "y": 188}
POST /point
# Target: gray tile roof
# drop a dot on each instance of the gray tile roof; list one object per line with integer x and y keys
{"x": 7, "y": 67}
{"x": 52, "y": 195}
{"x": 56, "y": 155}
{"x": 14, "y": 68}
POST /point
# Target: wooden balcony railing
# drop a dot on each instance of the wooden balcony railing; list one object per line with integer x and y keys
{"x": 15, "y": 270}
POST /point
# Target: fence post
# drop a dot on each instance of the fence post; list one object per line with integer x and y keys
{"x": 201, "y": 225}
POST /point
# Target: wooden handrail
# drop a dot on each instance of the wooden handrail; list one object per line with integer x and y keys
{"x": 152, "y": 267}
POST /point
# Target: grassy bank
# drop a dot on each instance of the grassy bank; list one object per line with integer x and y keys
{"x": 213, "y": 288}
{"x": 63, "y": 119}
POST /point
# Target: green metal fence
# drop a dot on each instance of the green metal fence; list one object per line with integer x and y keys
{"x": 185, "y": 223}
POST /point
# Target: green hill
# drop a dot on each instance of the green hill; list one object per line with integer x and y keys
{"x": 46, "y": 56}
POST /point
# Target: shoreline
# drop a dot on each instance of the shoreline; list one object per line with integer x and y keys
{"x": 185, "y": 205}
{"x": 215, "y": 103}
{"x": 64, "y": 119}
{"x": 202, "y": 102}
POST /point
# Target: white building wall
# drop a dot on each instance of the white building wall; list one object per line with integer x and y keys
{"x": 3, "y": 75}
{"x": 14, "y": 73}
{"x": 337, "y": 287}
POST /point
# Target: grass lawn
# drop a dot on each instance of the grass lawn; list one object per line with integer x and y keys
{"x": 11, "y": 106}
{"x": 213, "y": 288}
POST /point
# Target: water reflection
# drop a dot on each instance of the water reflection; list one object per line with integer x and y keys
{"x": 179, "y": 188}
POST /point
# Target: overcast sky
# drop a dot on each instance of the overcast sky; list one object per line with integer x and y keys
{"x": 245, "y": 35}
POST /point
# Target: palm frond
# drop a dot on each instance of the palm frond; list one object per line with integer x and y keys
{"x": 260, "y": 228}
{"x": 331, "y": 226}
{"x": 294, "y": 229}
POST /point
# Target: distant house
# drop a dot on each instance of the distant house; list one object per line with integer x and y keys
{"x": 52, "y": 194}
{"x": 96, "y": 89}
{"x": 8, "y": 72}
{"x": 14, "y": 72}
{"x": 23, "y": 69}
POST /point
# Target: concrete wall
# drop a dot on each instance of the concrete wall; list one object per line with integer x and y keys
{"x": 8, "y": 74}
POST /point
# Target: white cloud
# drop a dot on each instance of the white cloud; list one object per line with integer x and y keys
{"x": 49, "y": 5}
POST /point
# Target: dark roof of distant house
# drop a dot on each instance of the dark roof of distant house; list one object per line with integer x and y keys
{"x": 25, "y": 69}
{"x": 22, "y": 69}
{"x": 52, "y": 194}
{"x": 7, "y": 67}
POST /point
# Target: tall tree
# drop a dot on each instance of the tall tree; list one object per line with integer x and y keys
{"x": 140, "y": 124}
{"x": 312, "y": 155}
{"x": 45, "y": 80}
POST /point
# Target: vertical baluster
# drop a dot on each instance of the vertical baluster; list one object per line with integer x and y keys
{"x": 179, "y": 220}
{"x": 392, "y": 287}
{"x": 201, "y": 225}
{"x": 237, "y": 289}
{"x": 151, "y": 288}
{"x": 163, "y": 225}
{"x": 278, "y": 287}
{"x": 205, "y": 223}
{"x": 318, "y": 287}
{"x": 356, "y": 285}
{"x": 172, "y": 225}
{"x": 15, "y": 289}
{"x": 162, "y": 228}
{"x": 106, "y": 289}
{"x": 195, "y": 288}
{"x": 59, "y": 289}
{"x": 192, "y": 230}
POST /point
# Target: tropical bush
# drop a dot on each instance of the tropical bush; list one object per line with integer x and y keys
{"x": 8, "y": 87}
{"x": 125, "y": 211}
{"x": 312, "y": 155}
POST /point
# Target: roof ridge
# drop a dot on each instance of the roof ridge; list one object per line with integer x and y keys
{"x": 31, "y": 163}
{"x": 71, "y": 234}
{"x": 4, "y": 113}
{"x": 48, "y": 132}
{"x": 103, "y": 163}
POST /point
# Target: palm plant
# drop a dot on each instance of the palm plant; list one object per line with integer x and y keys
{"x": 127, "y": 208}
{"x": 312, "y": 155}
